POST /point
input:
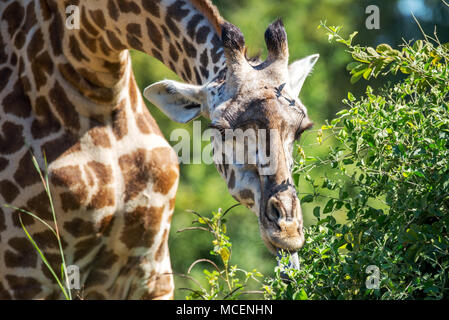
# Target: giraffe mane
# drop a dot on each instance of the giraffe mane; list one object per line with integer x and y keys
{"x": 211, "y": 12}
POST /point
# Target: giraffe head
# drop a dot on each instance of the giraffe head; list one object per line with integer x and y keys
{"x": 258, "y": 102}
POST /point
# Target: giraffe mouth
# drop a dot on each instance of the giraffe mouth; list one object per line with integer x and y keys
{"x": 293, "y": 262}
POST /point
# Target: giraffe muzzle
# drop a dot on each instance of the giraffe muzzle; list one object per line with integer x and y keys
{"x": 281, "y": 224}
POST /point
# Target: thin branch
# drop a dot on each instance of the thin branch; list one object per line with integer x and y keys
{"x": 203, "y": 260}
{"x": 194, "y": 228}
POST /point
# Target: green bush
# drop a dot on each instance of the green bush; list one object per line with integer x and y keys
{"x": 390, "y": 180}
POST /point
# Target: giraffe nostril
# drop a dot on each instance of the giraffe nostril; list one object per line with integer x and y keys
{"x": 274, "y": 213}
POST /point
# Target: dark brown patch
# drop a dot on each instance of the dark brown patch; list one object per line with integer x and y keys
{"x": 189, "y": 48}
{"x": 35, "y": 45}
{"x": 204, "y": 58}
{"x": 176, "y": 11}
{"x": 114, "y": 41}
{"x": 141, "y": 226}
{"x": 56, "y": 31}
{"x": 75, "y": 49}
{"x": 104, "y": 47}
{"x": 102, "y": 172}
{"x": 79, "y": 227}
{"x": 187, "y": 70}
{"x": 64, "y": 107}
{"x": 39, "y": 205}
{"x": 100, "y": 137}
{"x": 69, "y": 178}
{"x": 88, "y": 41}
{"x": 157, "y": 55}
{"x": 96, "y": 277}
{"x": 173, "y": 52}
{"x": 192, "y": 24}
{"x": 42, "y": 64}
{"x": 134, "y": 36}
{"x": 2, "y": 220}
{"x": 204, "y": 72}
{"x": 26, "y": 174}
{"x": 154, "y": 34}
{"x": 201, "y": 35}
{"x": 3, "y": 55}
{"x": 30, "y": 19}
{"x": 98, "y": 18}
{"x": 23, "y": 288}
{"x": 112, "y": 10}
{"x": 197, "y": 76}
{"x": 3, "y": 163}
{"x": 13, "y": 60}
{"x": 105, "y": 225}
{"x": 172, "y": 67}
{"x": 64, "y": 145}
{"x": 139, "y": 168}
{"x": 5, "y": 73}
{"x": 46, "y": 122}
{"x": 24, "y": 254}
{"x": 126, "y": 6}
{"x": 120, "y": 126}
{"x": 46, "y": 240}
{"x": 17, "y": 102}
{"x": 11, "y": 139}
{"x": 45, "y": 10}
{"x": 85, "y": 247}
{"x": 13, "y": 15}
{"x": 54, "y": 259}
{"x": 152, "y": 7}
{"x": 105, "y": 197}
{"x": 8, "y": 190}
{"x": 216, "y": 51}
{"x": 172, "y": 26}
{"x": 165, "y": 173}
{"x": 105, "y": 259}
{"x": 116, "y": 69}
{"x": 86, "y": 24}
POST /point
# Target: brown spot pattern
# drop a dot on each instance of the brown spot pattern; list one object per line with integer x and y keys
{"x": 23, "y": 288}
{"x": 24, "y": 254}
{"x": 8, "y": 190}
{"x": 141, "y": 226}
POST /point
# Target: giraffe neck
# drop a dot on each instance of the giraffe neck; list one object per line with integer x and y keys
{"x": 90, "y": 67}
{"x": 178, "y": 33}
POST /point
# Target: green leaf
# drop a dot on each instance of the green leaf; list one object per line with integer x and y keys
{"x": 316, "y": 212}
{"x": 307, "y": 198}
{"x": 300, "y": 295}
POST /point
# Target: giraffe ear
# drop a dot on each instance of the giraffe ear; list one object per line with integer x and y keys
{"x": 179, "y": 101}
{"x": 298, "y": 72}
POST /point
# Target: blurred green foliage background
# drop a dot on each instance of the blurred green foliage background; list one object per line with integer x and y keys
{"x": 201, "y": 188}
